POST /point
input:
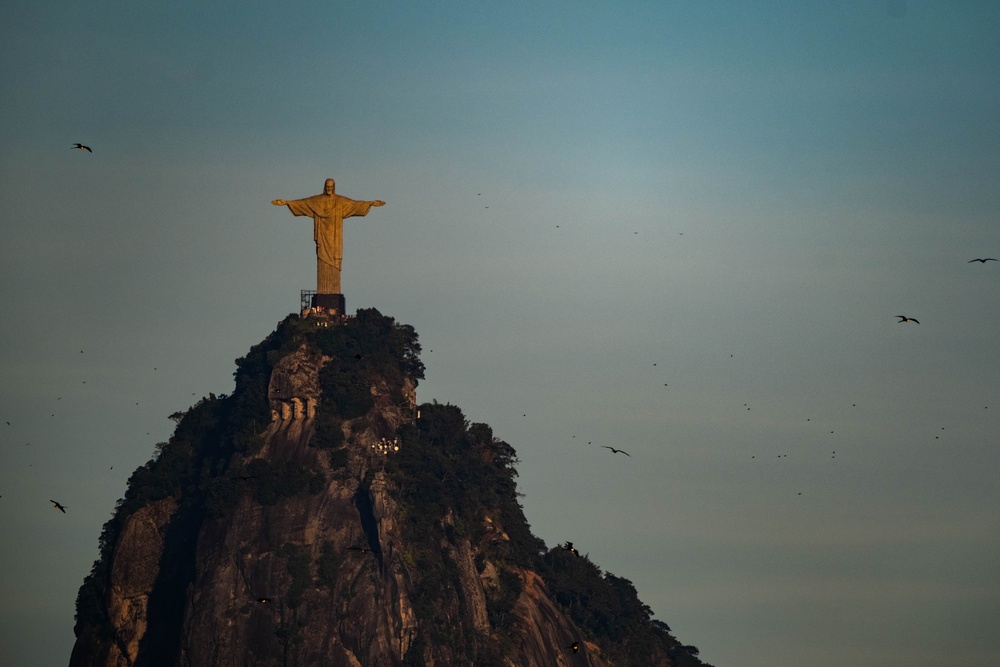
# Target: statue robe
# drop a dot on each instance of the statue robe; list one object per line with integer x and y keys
{"x": 328, "y": 213}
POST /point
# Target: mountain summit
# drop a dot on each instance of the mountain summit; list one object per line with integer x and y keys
{"x": 318, "y": 516}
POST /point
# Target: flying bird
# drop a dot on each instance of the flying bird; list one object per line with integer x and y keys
{"x": 82, "y": 148}
{"x": 982, "y": 260}
{"x": 575, "y": 646}
{"x": 617, "y": 451}
{"x": 58, "y": 506}
{"x": 363, "y": 550}
{"x": 570, "y": 548}
{"x": 904, "y": 318}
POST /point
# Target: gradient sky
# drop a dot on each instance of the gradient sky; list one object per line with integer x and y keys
{"x": 683, "y": 229}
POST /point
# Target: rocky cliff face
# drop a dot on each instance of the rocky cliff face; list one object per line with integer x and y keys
{"x": 311, "y": 518}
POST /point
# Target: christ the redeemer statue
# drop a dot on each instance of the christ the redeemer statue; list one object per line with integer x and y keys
{"x": 328, "y": 211}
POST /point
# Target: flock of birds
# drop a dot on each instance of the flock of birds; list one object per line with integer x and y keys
{"x": 903, "y": 319}
{"x": 56, "y": 504}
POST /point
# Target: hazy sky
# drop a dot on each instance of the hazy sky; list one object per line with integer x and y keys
{"x": 683, "y": 229}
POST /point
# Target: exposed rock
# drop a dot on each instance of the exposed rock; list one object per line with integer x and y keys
{"x": 544, "y": 632}
{"x": 134, "y": 575}
{"x": 293, "y": 391}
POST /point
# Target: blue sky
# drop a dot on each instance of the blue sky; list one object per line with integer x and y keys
{"x": 744, "y": 196}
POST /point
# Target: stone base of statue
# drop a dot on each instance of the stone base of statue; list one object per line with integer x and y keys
{"x": 331, "y": 302}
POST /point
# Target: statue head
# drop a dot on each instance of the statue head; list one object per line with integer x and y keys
{"x": 329, "y": 187}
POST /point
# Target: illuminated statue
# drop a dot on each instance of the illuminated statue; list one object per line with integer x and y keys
{"x": 328, "y": 211}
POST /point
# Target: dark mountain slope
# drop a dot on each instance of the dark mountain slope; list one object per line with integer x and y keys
{"x": 318, "y": 516}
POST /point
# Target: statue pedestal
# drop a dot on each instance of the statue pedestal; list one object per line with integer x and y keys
{"x": 333, "y": 302}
